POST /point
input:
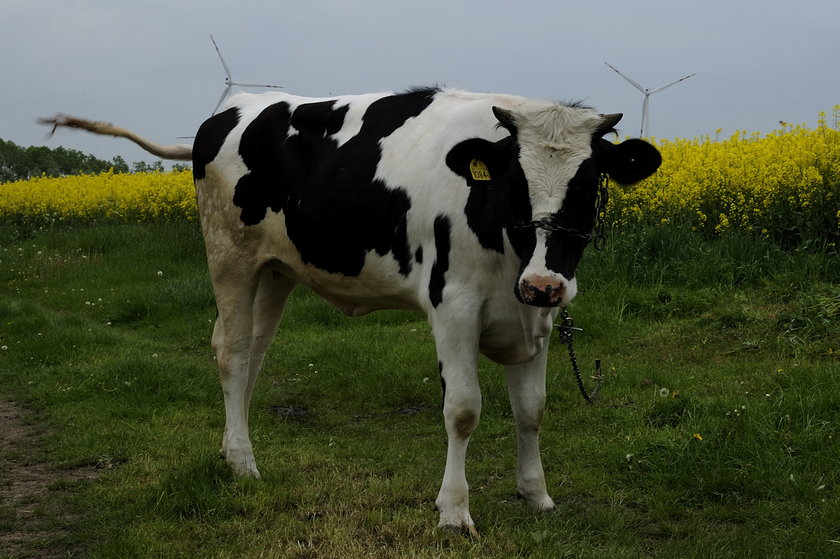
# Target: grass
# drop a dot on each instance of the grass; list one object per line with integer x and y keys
{"x": 716, "y": 434}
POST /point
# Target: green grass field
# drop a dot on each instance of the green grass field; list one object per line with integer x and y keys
{"x": 716, "y": 433}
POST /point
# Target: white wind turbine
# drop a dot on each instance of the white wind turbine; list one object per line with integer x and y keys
{"x": 229, "y": 80}
{"x": 647, "y": 93}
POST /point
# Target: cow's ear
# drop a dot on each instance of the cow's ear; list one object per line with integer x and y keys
{"x": 631, "y": 161}
{"x": 479, "y": 161}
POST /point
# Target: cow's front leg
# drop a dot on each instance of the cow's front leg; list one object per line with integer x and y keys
{"x": 526, "y": 387}
{"x": 457, "y": 348}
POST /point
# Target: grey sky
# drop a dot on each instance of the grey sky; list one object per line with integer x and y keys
{"x": 148, "y": 65}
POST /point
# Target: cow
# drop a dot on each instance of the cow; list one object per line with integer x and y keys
{"x": 474, "y": 209}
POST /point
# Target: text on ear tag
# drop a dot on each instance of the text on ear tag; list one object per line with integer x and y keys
{"x": 479, "y": 170}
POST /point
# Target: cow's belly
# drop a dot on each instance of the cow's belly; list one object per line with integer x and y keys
{"x": 354, "y": 303}
{"x": 378, "y": 287}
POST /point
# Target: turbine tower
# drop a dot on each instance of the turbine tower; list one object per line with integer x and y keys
{"x": 229, "y": 80}
{"x": 647, "y": 93}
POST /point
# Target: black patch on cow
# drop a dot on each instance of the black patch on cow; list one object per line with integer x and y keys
{"x": 418, "y": 255}
{"x": 500, "y": 203}
{"x": 336, "y": 212}
{"x": 442, "y": 382}
{"x": 319, "y": 119}
{"x": 627, "y": 162}
{"x": 437, "y": 282}
{"x": 261, "y": 148}
{"x": 575, "y": 218}
{"x": 209, "y": 139}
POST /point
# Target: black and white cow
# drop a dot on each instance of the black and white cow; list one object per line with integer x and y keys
{"x": 471, "y": 208}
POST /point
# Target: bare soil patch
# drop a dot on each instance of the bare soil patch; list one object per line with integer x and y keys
{"x": 35, "y": 517}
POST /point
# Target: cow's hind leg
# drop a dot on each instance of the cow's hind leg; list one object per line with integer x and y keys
{"x": 272, "y": 293}
{"x": 249, "y": 312}
{"x": 526, "y": 387}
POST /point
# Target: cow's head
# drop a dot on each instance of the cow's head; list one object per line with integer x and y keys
{"x": 547, "y": 173}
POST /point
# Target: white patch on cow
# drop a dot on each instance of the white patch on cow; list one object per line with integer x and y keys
{"x": 407, "y": 152}
{"x": 353, "y": 120}
{"x": 537, "y": 265}
{"x": 554, "y": 140}
{"x": 250, "y": 106}
{"x": 537, "y": 268}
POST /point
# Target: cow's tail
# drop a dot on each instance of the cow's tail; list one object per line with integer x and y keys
{"x": 179, "y": 152}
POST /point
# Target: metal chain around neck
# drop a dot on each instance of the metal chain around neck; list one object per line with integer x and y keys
{"x": 566, "y": 329}
{"x": 599, "y": 237}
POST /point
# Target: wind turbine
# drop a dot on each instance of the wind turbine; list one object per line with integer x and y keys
{"x": 647, "y": 93}
{"x": 229, "y": 80}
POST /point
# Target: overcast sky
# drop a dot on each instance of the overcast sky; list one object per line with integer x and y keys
{"x": 149, "y": 65}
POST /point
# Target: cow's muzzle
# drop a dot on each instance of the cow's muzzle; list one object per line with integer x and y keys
{"x": 541, "y": 291}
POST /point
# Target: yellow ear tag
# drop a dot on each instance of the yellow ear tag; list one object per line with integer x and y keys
{"x": 479, "y": 170}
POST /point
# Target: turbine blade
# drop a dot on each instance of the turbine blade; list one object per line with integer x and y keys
{"x": 227, "y": 70}
{"x": 221, "y": 99}
{"x": 658, "y": 89}
{"x": 645, "y": 113}
{"x": 632, "y": 82}
{"x": 256, "y": 85}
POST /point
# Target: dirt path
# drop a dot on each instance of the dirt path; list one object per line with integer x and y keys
{"x": 34, "y": 517}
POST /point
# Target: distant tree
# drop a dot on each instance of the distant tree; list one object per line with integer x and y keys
{"x": 18, "y": 162}
{"x": 119, "y": 164}
{"x": 144, "y": 167}
{"x": 8, "y": 161}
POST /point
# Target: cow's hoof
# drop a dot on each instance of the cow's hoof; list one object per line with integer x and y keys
{"x": 244, "y": 467}
{"x": 540, "y": 501}
{"x": 462, "y": 530}
{"x": 457, "y": 519}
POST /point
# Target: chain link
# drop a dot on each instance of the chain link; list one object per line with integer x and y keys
{"x": 566, "y": 329}
{"x": 600, "y": 236}
{"x": 548, "y": 225}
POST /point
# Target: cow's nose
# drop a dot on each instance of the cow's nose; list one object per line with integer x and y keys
{"x": 542, "y": 291}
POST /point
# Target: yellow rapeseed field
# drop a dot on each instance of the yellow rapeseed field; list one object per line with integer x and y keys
{"x": 784, "y": 185}
{"x": 107, "y": 196}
